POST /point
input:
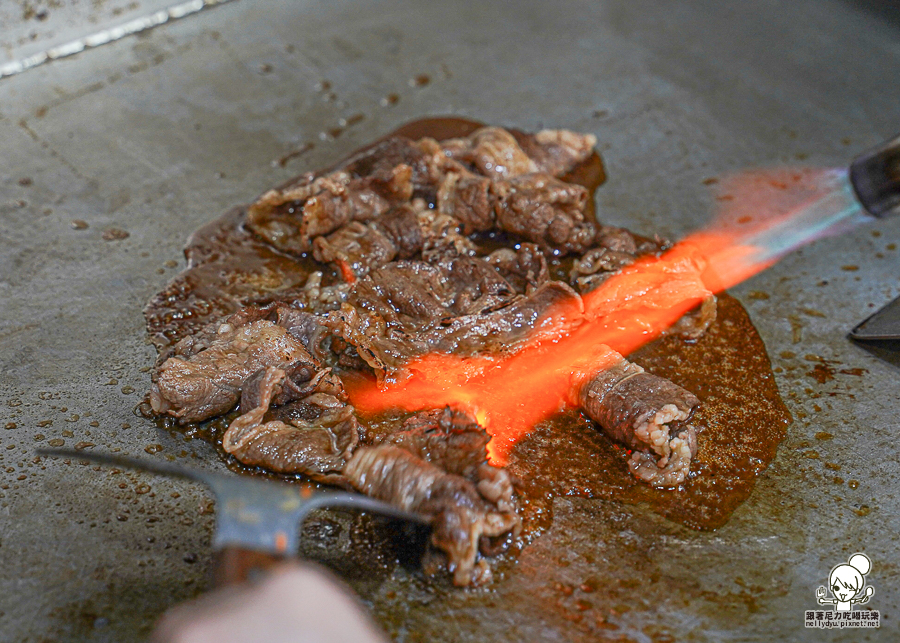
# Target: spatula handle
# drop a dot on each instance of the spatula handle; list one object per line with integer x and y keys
{"x": 234, "y": 565}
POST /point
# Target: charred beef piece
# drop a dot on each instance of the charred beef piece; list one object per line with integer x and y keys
{"x": 452, "y": 440}
{"x": 646, "y": 413}
{"x": 544, "y": 210}
{"x": 557, "y": 151}
{"x": 209, "y": 382}
{"x": 524, "y": 268}
{"x": 461, "y": 306}
{"x": 500, "y": 154}
{"x": 358, "y": 248}
{"x": 460, "y": 516}
{"x": 318, "y": 438}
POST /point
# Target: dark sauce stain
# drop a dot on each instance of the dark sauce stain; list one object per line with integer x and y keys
{"x": 821, "y": 373}
{"x": 294, "y": 154}
{"x": 390, "y": 99}
{"x": 742, "y": 418}
{"x": 354, "y": 119}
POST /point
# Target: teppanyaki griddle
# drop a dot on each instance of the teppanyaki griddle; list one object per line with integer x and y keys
{"x": 155, "y": 134}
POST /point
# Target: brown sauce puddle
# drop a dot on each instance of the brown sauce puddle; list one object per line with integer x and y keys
{"x": 742, "y": 417}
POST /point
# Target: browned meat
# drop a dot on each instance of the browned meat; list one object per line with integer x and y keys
{"x": 359, "y": 247}
{"x": 208, "y": 383}
{"x": 544, "y": 210}
{"x": 524, "y": 268}
{"x": 467, "y": 198}
{"x": 617, "y": 248}
{"x": 277, "y": 215}
{"x": 491, "y": 151}
{"x": 459, "y": 514}
{"x": 596, "y": 266}
{"x": 289, "y": 219}
{"x": 406, "y": 225}
{"x": 378, "y": 163}
{"x": 557, "y": 151}
{"x": 500, "y": 154}
{"x": 407, "y": 309}
{"x": 317, "y": 441}
{"x": 449, "y": 439}
{"x": 646, "y": 413}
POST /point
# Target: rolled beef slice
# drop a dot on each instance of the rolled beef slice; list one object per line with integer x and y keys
{"x": 646, "y": 413}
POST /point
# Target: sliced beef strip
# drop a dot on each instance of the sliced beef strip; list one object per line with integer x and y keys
{"x": 277, "y": 216}
{"x": 307, "y": 328}
{"x": 524, "y": 268}
{"x": 317, "y": 445}
{"x": 452, "y": 440}
{"x": 459, "y": 514}
{"x": 357, "y": 248}
{"x": 190, "y": 345}
{"x": 448, "y": 438}
{"x": 545, "y": 210}
{"x": 467, "y": 198}
{"x": 557, "y": 151}
{"x": 646, "y": 413}
{"x": 290, "y": 218}
{"x": 208, "y": 383}
{"x": 500, "y": 154}
{"x": 407, "y": 309}
{"x": 492, "y": 152}
{"x": 381, "y": 159}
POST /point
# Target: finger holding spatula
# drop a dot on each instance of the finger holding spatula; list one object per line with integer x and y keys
{"x": 295, "y": 602}
{"x": 267, "y": 596}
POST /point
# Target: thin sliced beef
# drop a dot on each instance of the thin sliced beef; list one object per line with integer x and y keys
{"x": 317, "y": 440}
{"x": 558, "y": 151}
{"x": 448, "y": 438}
{"x": 277, "y": 216}
{"x": 208, "y": 383}
{"x": 467, "y": 198}
{"x": 452, "y": 440}
{"x": 460, "y": 516}
{"x": 545, "y": 210}
{"x": 646, "y": 413}
{"x": 500, "y": 154}
{"x": 492, "y": 152}
{"x": 524, "y": 268}
{"x": 617, "y": 249}
{"x": 291, "y": 218}
{"x": 380, "y": 161}
{"x": 358, "y": 248}
{"x": 411, "y": 308}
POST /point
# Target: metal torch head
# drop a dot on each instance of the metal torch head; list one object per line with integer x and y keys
{"x": 875, "y": 176}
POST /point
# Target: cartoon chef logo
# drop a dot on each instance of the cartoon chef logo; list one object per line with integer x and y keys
{"x": 846, "y": 584}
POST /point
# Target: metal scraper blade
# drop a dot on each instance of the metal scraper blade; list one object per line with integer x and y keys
{"x": 885, "y": 324}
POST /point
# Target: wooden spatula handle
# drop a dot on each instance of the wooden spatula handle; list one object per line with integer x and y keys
{"x": 234, "y": 565}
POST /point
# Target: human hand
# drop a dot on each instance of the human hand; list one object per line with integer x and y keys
{"x": 295, "y": 604}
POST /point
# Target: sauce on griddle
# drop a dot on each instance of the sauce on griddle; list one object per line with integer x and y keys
{"x": 742, "y": 418}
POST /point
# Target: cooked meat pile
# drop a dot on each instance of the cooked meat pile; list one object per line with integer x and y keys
{"x": 424, "y": 246}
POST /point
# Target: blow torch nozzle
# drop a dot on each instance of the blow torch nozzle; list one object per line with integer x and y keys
{"x": 875, "y": 177}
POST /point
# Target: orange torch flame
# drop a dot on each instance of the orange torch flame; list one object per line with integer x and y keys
{"x": 509, "y": 394}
